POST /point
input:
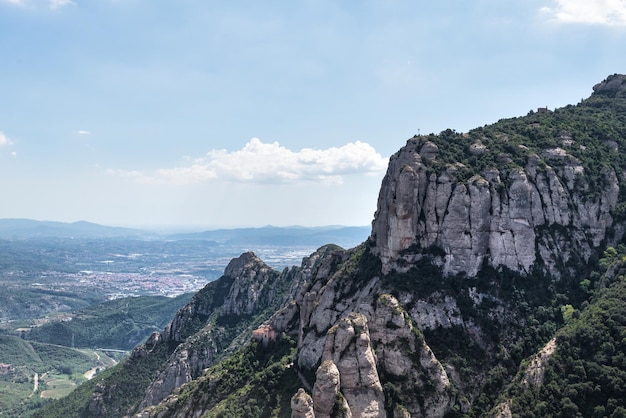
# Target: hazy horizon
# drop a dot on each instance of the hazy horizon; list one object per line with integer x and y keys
{"x": 186, "y": 228}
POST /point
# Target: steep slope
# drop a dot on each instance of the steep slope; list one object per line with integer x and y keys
{"x": 482, "y": 247}
{"x": 582, "y": 371}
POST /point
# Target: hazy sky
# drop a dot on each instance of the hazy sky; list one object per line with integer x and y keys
{"x": 248, "y": 113}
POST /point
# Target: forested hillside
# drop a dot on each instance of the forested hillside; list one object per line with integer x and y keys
{"x": 585, "y": 376}
{"x": 120, "y": 324}
{"x": 32, "y": 374}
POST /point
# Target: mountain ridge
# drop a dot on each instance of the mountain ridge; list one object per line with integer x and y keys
{"x": 484, "y": 248}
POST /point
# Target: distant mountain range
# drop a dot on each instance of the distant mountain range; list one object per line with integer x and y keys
{"x": 28, "y": 228}
{"x": 17, "y": 229}
{"x": 346, "y": 236}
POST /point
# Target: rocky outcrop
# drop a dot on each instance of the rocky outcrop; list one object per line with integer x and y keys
{"x": 328, "y": 297}
{"x": 436, "y": 311}
{"x": 614, "y": 84}
{"x": 503, "y": 410}
{"x": 348, "y": 346}
{"x": 533, "y": 375}
{"x": 326, "y": 388}
{"x": 511, "y": 218}
{"x": 97, "y": 404}
{"x": 350, "y": 366}
{"x": 186, "y": 364}
{"x": 250, "y": 285}
{"x": 404, "y": 356}
{"x": 302, "y": 405}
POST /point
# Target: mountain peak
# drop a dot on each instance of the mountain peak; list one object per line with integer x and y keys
{"x": 245, "y": 261}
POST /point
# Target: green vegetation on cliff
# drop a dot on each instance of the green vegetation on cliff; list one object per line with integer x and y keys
{"x": 591, "y": 132}
{"x": 256, "y": 381}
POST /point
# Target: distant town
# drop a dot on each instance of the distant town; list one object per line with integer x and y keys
{"x": 172, "y": 276}
{"x": 55, "y": 267}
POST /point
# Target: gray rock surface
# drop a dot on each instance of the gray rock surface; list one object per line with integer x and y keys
{"x": 514, "y": 223}
{"x": 535, "y": 371}
{"x": 251, "y": 276}
{"x": 403, "y": 354}
{"x": 613, "y": 83}
{"x": 348, "y": 346}
{"x": 302, "y": 405}
{"x": 326, "y": 388}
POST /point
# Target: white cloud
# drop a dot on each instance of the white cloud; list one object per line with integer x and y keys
{"x": 258, "y": 162}
{"x": 13, "y": 1}
{"x": 56, "y": 4}
{"x": 596, "y": 12}
{"x": 83, "y": 132}
{"x": 4, "y": 140}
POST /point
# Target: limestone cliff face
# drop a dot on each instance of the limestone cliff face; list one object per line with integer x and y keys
{"x": 516, "y": 217}
{"x": 186, "y": 363}
{"x": 326, "y": 388}
{"x": 358, "y": 351}
{"x": 404, "y": 356}
{"x": 302, "y": 405}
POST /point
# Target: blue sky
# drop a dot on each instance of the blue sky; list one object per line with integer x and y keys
{"x": 246, "y": 113}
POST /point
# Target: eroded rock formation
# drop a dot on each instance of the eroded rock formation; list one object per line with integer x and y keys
{"x": 302, "y": 405}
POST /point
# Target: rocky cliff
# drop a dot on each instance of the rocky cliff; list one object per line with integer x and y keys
{"x": 482, "y": 243}
{"x": 518, "y": 217}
